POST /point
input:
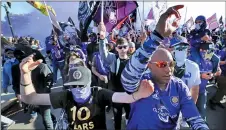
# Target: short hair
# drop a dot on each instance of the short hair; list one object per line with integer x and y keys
{"x": 121, "y": 41}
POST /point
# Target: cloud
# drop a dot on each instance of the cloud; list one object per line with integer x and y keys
{"x": 38, "y": 25}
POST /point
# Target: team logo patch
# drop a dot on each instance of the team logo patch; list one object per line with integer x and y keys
{"x": 174, "y": 100}
{"x": 163, "y": 113}
{"x": 77, "y": 75}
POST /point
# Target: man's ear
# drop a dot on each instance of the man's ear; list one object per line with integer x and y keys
{"x": 149, "y": 66}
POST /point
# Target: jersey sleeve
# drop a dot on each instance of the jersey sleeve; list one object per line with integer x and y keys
{"x": 94, "y": 62}
{"x": 189, "y": 110}
{"x": 137, "y": 64}
{"x": 58, "y": 99}
{"x": 104, "y": 97}
{"x": 197, "y": 76}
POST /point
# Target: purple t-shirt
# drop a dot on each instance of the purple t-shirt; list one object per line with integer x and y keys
{"x": 57, "y": 53}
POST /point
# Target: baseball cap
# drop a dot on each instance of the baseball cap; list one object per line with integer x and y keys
{"x": 9, "y": 49}
{"x": 79, "y": 76}
{"x": 131, "y": 44}
{"x": 207, "y": 46}
{"x": 178, "y": 40}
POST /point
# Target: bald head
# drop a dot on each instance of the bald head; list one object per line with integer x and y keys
{"x": 161, "y": 73}
{"x": 161, "y": 54}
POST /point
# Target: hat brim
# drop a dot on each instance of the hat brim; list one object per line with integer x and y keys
{"x": 179, "y": 43}
{"x": 76, "y": 83}
{"x": 206, "y": 46}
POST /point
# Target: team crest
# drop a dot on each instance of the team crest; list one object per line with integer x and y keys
{"x": 77, "y": 75}
{"x": 174, "y": 100}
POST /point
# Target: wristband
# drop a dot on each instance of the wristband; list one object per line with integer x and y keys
{"x": 158, "y": 35}
{"x": 25, "y": 85}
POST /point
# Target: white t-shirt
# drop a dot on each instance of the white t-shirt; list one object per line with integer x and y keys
{"x": 192, "y": 74}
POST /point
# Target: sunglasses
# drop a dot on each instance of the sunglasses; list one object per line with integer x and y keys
{"x": 180, "y": 48}
{"x": 198, "y": 21}
{"x": 163, "y": 64}
{"x": 120, "y": 47}
{"x": 77, "y": 86}
{"x": 210, "y": 51}
{"x": 74, "y": 65}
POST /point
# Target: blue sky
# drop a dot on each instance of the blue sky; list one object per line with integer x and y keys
{"x": 17, "y": 8}
{"x": 193, "y": 8}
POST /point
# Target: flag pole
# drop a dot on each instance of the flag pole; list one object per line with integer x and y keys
{"x": 140, "y": 19}
{"x": 49, "y": 15}
{"x": 47, "y": 11}
{"x": 50, "y": 19}
{"x": 185, "y": 15}
{"x": 102, "y": 11}
{"x": 7, "y": 14}
{"x": 143, "y": 11}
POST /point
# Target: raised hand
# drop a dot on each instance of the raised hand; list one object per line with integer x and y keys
{"x": 102, "y": 30}
{"x": 163, "y": 26}
{"x": 206, "y": 38}
{"x": 28, "y": 64}
{"x": 146, "y": 89}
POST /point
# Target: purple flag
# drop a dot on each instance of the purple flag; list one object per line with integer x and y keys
{"x": 151, "y": 14}
{"x": 114, "y": 12}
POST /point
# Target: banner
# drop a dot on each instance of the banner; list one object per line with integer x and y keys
{"x": 84, "y": 12}
{"x": 190, "y": 23}
{"x": 42, "y": 8}
{"x": 114, "y": 12}
{"x": 213, "y": 22}
{"x": 151, "y": 14}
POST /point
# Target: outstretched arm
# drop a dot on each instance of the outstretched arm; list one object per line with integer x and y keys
{"x": 106, "y": 96}
{"x": 136, "y": 66}
{"x": 107, "y": 56}
{"x": 145, "y": 90}
{"x": 27, "y": 91}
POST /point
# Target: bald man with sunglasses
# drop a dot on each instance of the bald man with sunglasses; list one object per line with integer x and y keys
{"x": 171, "y": 95}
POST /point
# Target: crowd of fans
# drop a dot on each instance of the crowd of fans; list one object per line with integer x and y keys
{"x": 159, "y": 77}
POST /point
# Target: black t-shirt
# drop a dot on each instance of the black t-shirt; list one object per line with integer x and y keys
{"x": 118, "y": 85}
{"x": 92, "y": 48}
{"x": 90, "y": 115}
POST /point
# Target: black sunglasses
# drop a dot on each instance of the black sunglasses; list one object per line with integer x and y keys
{"x": 74, "y": 65}
{"x": 120, "y": 47}
{"x": 77, "y": 86}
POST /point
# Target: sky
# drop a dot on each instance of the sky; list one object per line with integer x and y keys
{"x": 17, "y": 8}
{"x": 193, "y": 9}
